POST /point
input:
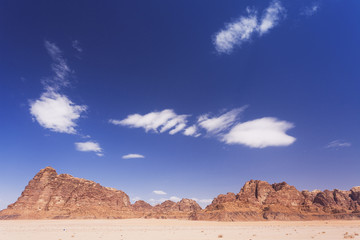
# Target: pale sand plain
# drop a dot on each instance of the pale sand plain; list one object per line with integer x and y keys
{"x": 142, "y": 229}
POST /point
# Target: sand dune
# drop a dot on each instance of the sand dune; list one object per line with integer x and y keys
{"x": 175, "y": 230}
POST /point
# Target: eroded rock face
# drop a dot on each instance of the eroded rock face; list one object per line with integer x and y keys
{"x": 142, "y": 206}
{"x": 184, "y": 209}
{"x": 355, "y": 194}
{"x": 188, "y": 205}
{"x": 255, "y": 191}
{"x": 50, "y": 195}
{"x": 258, "y": 200}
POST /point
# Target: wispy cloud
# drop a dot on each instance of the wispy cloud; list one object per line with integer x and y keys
{"x": 132, "y": 155}
{"x": 192, "y": 131}
{"x": 257, "y": 133}
{"x": 271, "y": 17}
{"x": 56, "y": 112}
{"x": 89, "y": 146}
{"x": 53, "y": 110}
{"x": 311, "y": 10}
{"x": 76, "y": 45}
{"x": 166, "y": 120}
{"x": 338, "y": 144}
{"x": 220, "y": 123}
{"x": 59, "y": 67}
{"x": 159, "y": 192}
{"x": 236, "y": 33}
{"x": 243, "y": 29}
{"x": 260, "y": 133}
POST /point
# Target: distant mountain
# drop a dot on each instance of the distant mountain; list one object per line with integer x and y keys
{"x": 52, "y": 196}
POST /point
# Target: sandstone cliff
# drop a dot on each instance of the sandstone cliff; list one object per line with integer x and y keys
{"x": 49, "y": 195}
{"x": 259, "y": 200}
{"x": 53, "y": 196}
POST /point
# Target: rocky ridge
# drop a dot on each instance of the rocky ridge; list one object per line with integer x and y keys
{"x": 259, "y": 200}
{"x": 56, "y": 196}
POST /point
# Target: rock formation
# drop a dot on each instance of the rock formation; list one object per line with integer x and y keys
{"x": 53, "y": 196}
{"x": 49, "y": 195}
{"x": 258, "y": 200}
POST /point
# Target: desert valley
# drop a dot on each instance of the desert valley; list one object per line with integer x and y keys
{"x": 59, "y": 206}
{"x": 179, "y": 120}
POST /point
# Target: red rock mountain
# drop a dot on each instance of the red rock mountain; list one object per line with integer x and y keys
{"x": 53, "y": 196}
{"x": 259, "y": 200}
{"x": 49, "y": 195}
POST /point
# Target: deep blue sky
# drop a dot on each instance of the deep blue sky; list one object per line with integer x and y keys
{"x": 139, "y": 57}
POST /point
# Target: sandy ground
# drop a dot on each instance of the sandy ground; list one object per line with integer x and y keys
{"x": 175, "y": 229}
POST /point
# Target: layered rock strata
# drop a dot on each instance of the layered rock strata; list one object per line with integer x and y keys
{"x": 52, "y": 196}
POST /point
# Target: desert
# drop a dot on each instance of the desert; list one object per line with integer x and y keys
{"x": 179, "y": 120}
{"x": 162, "y": 229}
{"x": 50, "y": 195}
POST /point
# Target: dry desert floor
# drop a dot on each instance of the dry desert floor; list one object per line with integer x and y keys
{"x": 142, "y": 229}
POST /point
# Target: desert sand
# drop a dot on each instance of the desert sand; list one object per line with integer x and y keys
{"x": 175, "y": 230}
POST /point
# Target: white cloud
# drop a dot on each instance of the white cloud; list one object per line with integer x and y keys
{"x": 175, "y": 199}
{"x": 56, "y": 112}
{"x": 311, "y": 10}
{"x": 218, "y": 124}
{"x": 59, "y": 67}
{"x": 271, "y": 17}
{"x": 88, "y": 147}
{"x": 76, "y": 46}
{"x": 132, "y": 155}
{"x": 260, "y": 133}
{"x": 159, "y": 192}
{"x": 192, "y": 131}
{"x": 236, "y": 33}
{"x": 165, "y": 120}
{"x": 244, "y": 28}
{"x": 338, "y": 144}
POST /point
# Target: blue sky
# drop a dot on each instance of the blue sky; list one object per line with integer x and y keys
{"x": 172, "y": 99}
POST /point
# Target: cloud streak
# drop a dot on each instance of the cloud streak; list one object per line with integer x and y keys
{"x": 338, "y": 144}
{"x": 54, "y": 110}
{"x": 217, "y": 124}
{"x": 159, "y": 122}
{"x": 76, "y": 45}
{"x": 271, "y": 17}
{"x": 89, "y": 146}
{"x": 59, "y": 67}
{"x": 132, "y": 155}
{"x": 159, "y": 192}
{"x": 245, "y": 27}
{"x": 311, "y": 10}
{"x": 257, "y": 133}
{"x": 192, "y": 131}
